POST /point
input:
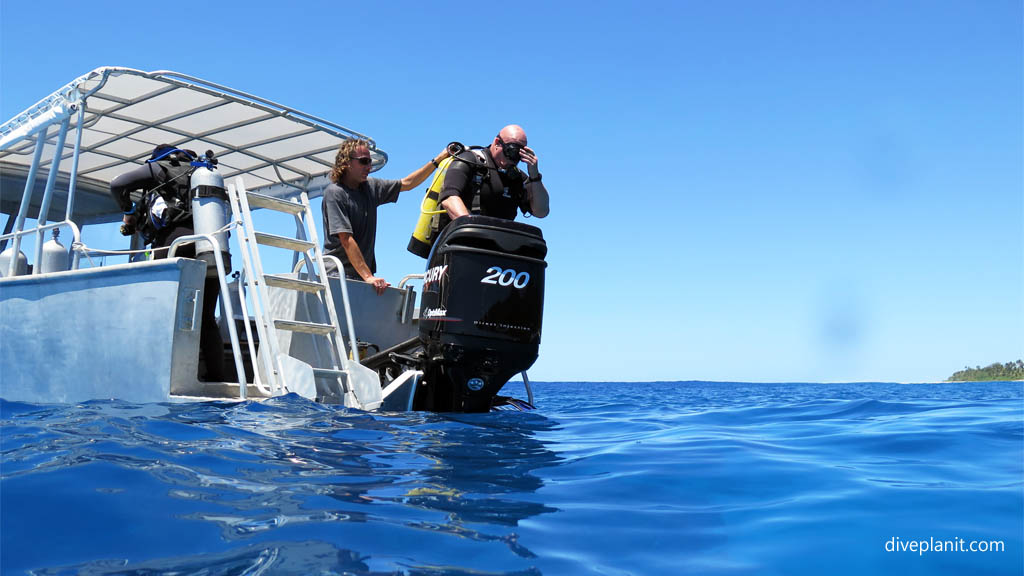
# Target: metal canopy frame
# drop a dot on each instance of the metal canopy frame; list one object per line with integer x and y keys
{"x": 120, "y": 114}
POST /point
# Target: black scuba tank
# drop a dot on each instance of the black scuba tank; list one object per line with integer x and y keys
{"x": 481, "y": 311}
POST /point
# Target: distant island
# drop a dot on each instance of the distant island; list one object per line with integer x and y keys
{"x": 995, "y": 372}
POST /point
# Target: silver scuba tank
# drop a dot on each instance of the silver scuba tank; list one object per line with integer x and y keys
{"x": 210, "y": 214}
{"x": 20, "y": 269}
{"x": 55, "y": 256}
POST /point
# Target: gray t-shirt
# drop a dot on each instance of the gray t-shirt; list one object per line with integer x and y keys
{"x": 355, "y": 212}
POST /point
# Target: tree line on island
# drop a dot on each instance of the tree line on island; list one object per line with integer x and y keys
{"x": 993, "y": 373}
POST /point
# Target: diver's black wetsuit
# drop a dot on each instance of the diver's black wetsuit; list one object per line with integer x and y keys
{"x": 484, "y": 188}
{"x": 146, "y": 178}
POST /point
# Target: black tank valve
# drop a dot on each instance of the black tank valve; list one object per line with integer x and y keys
{"x": 455, "y": 148}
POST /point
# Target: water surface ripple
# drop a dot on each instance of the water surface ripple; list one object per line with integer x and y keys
{"x": 606, "y": 478}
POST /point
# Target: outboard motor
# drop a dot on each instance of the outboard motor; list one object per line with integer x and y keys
{"x": 209, "y": 211}
{"x": 481, "y": 311}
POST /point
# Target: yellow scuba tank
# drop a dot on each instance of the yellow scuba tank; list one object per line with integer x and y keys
{"x": 425, "y": 233}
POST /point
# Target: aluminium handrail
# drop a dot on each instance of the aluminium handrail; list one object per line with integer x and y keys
{"x": 73, "y": 181}
{"x": 76, "y": 238}
{"x": 353, "y": 343}
{"x": 225, "y": 301}
{"x": 405, "y": 279}
{"x": 76, "y": 231}
{"x": 51, "y": 179}
{"x": 405, "y": 293}
{"x": 30, "y": 182}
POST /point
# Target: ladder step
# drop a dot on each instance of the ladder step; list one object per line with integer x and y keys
{"x": 329, "y": 373}
{"x": 282, "y": 242}
{"x": 292, "y": 283}
{"x": 271, "y": 203}
{"x": 307, "y": 327}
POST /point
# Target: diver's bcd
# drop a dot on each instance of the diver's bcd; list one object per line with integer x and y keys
{"x": 167, "y": 203}
{"x": 174, "y": 167}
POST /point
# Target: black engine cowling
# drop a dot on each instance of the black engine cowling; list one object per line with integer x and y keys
{"x": 481, "y": 311}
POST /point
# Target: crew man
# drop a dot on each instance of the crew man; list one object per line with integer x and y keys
{"x": 350, "y": 208}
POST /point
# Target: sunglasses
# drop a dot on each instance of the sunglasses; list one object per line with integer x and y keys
{"x": 365, "y": 161}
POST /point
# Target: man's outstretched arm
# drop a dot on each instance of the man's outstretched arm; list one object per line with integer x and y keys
{"x": 416, "y": 178}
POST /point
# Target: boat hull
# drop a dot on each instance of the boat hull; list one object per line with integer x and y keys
{"x": 128, "y": 331}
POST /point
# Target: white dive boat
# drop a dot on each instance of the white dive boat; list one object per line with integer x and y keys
{"x": 72, "y": 331}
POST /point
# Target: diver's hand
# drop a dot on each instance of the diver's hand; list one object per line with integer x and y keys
{"x": 530, "y": 157}
{"x": 128, "y": 225}
{"x": 379, "y": 284}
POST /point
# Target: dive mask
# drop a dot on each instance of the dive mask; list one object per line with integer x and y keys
{"x": 512, "y": 150}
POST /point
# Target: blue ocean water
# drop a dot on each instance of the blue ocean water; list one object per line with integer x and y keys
{"x": 605, "y": 478}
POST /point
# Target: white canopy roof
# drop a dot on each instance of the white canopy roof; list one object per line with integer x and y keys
{"x": 275, "y": 149}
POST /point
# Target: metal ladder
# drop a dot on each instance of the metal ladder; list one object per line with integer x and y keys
{"x": 284, "y": 373}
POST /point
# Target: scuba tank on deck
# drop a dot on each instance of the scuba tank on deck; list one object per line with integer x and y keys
{"x": 209, "y": 211}
{"x": 55, "y": 255}
{"x": 21, "y": 264}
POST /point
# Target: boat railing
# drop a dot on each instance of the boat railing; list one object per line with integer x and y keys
{"x": 353, "y": 343}
{"x": 406, "y": 293}
{"x": 405, "y": 279}
{"x": 26, "y": 197}
{"x": 225, "y": 301}
{"x": 41, "y": 230}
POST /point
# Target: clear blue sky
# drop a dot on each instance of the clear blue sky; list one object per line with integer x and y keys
{"x": 756, "y": 191}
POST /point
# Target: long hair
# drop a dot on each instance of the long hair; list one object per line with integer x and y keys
{"x": 344, "y": 157}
